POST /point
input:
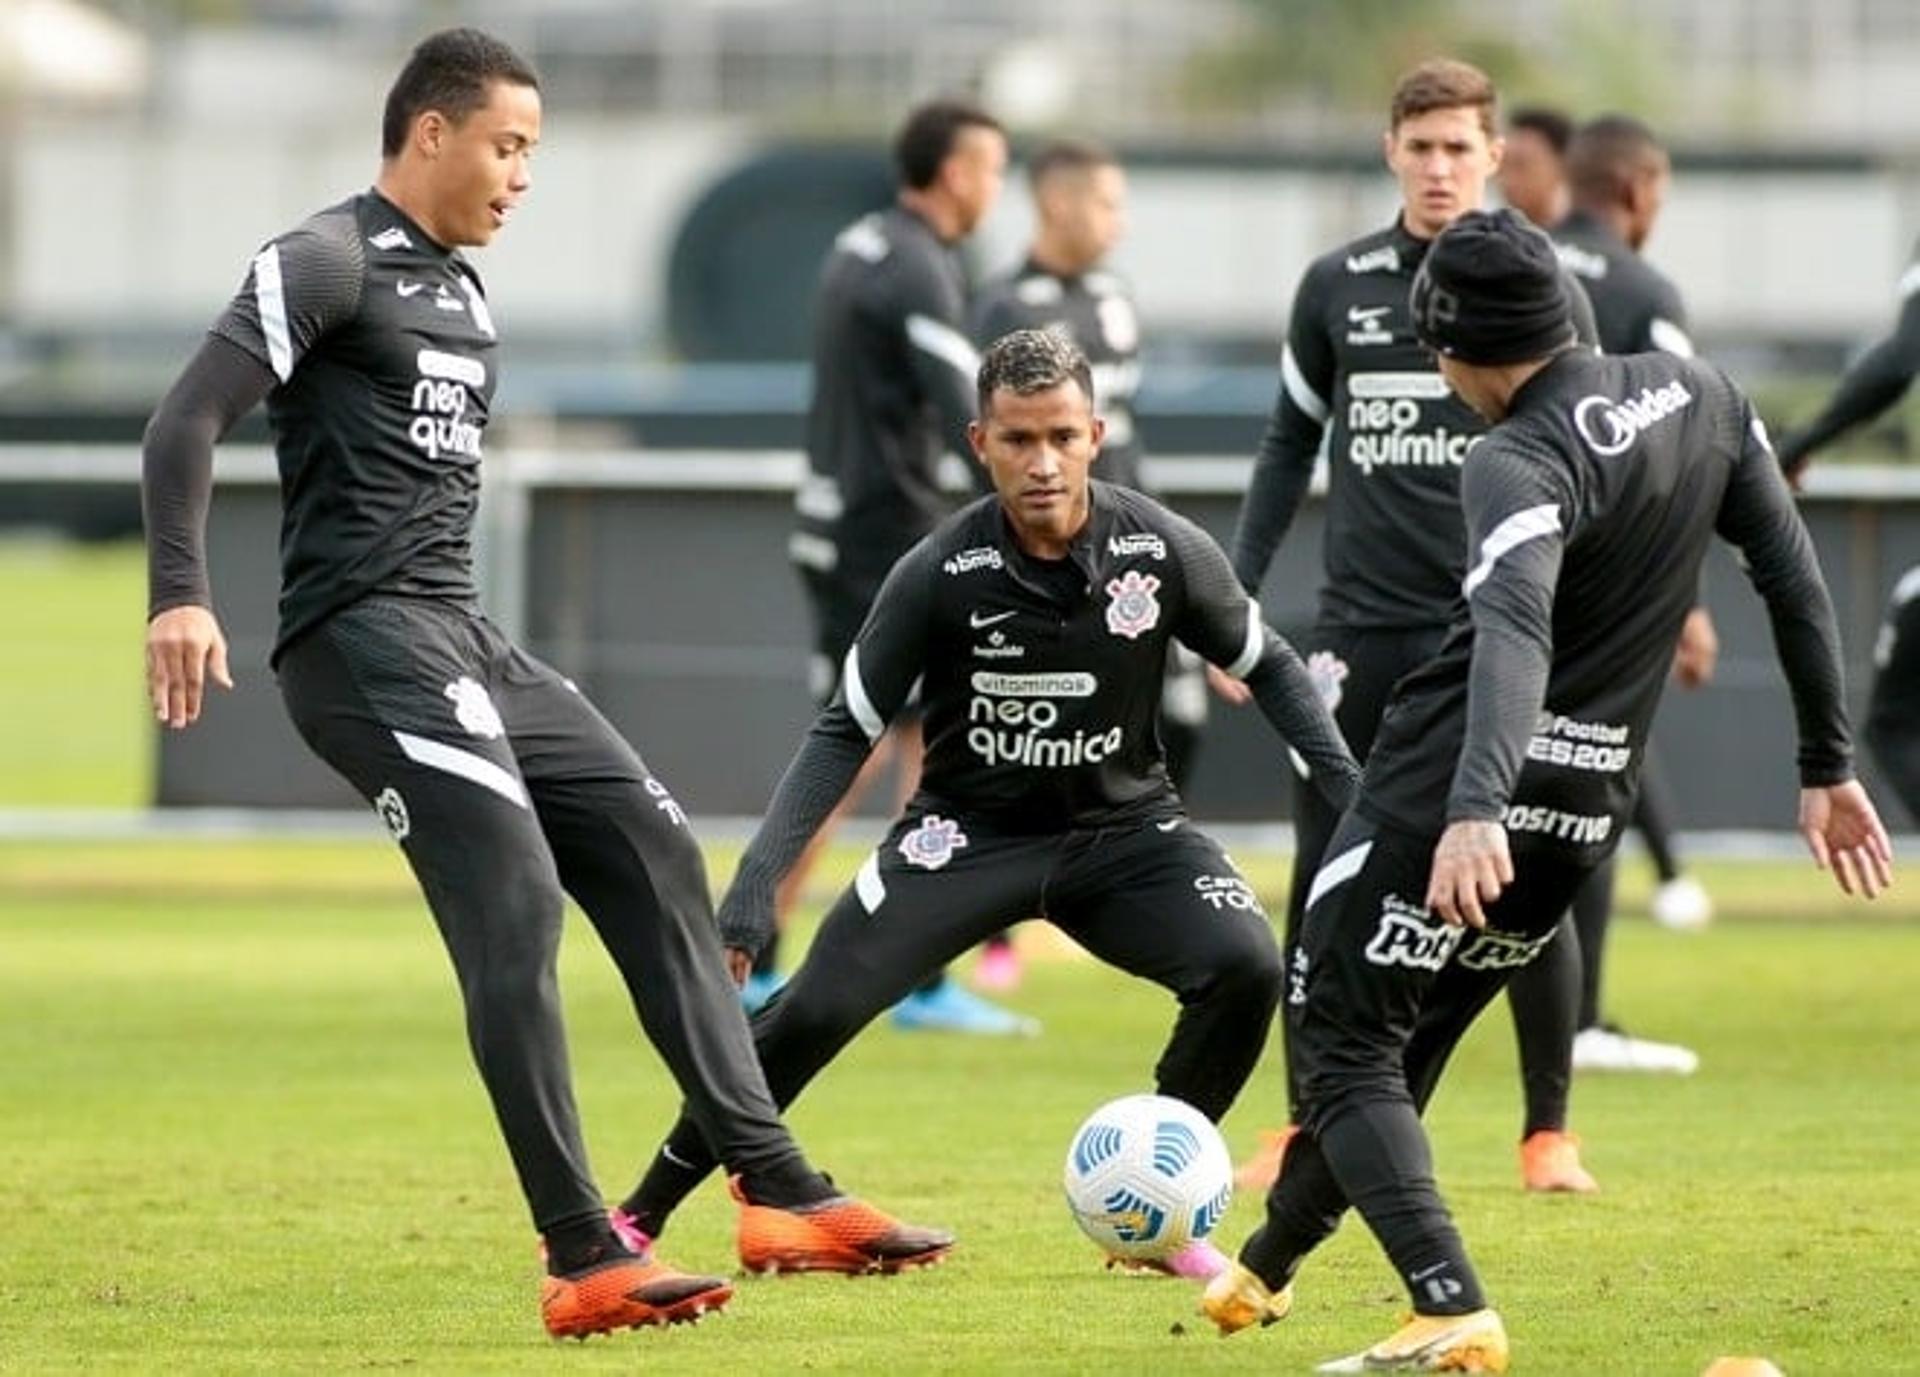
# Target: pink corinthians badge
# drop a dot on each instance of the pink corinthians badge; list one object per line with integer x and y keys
{"x": 932, "y": 844}
{"x": 1134, "y": 608}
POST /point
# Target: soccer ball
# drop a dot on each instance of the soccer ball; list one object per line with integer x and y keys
{"x": 1146, "y": 1175}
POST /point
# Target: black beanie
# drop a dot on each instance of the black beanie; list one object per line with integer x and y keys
{"x": 1491, "y": 291}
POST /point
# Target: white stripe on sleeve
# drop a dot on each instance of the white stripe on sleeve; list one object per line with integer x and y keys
{"x": 1255, "y": 643}
{"x": 941, "y": 340}
{"x": 1515, "y": 531}
{"x": 1669, "y": 338}
{"x": 440, "y": 756}
{"x": 270, "y": 297}
{"x": 1299, "y": 389}
{"x": 858, "y": 703}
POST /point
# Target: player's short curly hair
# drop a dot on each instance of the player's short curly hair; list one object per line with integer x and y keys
{"x": 1028, "y": 361}
{"x": 449, "y": 71}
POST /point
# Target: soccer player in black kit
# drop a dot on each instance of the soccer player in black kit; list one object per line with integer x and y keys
{"x": 1079, "y": 204}
{"x": 892, "y": 394}
{"x": 368, "y": 335}
{"x": 1879, "y": 378}
{"x": 1353, "y": 376}
{"x": 1504, "y": 770}
{"x": 1036, "y": 621}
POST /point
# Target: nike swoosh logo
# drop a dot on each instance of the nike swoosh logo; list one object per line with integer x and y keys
{"x": 1366, "y": 315}
{"x": 406, "y": 288}
{"x": 1168, "y": 825}
{"x": 675, "y": 1158}
{"x": 977, "y": 622}
{"x": 1426, "y": 1272}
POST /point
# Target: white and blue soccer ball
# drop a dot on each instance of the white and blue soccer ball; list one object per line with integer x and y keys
{"x": 1146, "y": 1175}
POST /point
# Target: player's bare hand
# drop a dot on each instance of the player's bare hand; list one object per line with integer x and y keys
{"x": 1471, "y": 865}
{"x": 1698, "y": 652}
{"x": 739, "y": 964}
{"x": 1846, "y": 836}
{"x": 185, "y": 648}
{"x": 1228, "y": 688}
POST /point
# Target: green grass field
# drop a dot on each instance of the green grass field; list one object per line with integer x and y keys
{"x": 241, "y": 1134}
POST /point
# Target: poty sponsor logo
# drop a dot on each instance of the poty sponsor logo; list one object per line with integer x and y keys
{"x": 979, "y": 557}
{"x": 1408, "y": 936}
{"x": 1609, "y": 427}
{"x": 1498, "y": 951}
{"x": 1062, "y": 684}
{"x": 1137, "y": 543}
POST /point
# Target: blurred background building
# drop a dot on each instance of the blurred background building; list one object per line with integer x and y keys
{"x": 699, "y": 155}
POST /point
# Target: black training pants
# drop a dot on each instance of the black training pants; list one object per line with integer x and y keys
{"x": 1156, "y": 899}
{"x": 1378, "y": 995}
{"x": 506, "y": 788}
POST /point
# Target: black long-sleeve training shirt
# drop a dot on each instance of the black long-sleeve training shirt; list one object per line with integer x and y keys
{"x": 375, "y": 349}
{"x": 1589, "y": 510}
{"x": 1354, "y": 377}
{"x": 893, "y": 390}
{"x": 1879, "y": 378}
{"x": 1039, "y": 682}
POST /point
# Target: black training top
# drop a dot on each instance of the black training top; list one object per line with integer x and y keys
{"x": 382, "y": 350}
{"x": 1636, "y": 307}
{"x": 1588, "y": 511}
{"x": 1354, "y": 377}
{"x": 1095, "y": 310}
{"x": 1039, "y": 682}
{"x": 893, "y": 383}
{"x": 1879, "y": 378}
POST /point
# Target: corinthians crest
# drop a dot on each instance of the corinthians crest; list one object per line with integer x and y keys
{"x": 932, "y": 844}
{"x": 1134, "y": 609}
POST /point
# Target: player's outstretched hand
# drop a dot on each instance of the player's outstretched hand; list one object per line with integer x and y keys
{"x": 1846, "y": 836}
{"x": 1471, "y": 866}
{"x": 1698, "y": 653}
{"x": 1227, "y": 687}
{"x": 185, "y": 648}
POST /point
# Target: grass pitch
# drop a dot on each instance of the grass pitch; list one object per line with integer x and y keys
{"x": 241, "y": 1134}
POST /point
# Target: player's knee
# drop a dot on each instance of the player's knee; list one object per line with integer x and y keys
{"x": 1247, "y": 968}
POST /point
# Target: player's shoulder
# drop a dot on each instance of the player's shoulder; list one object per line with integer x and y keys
{"x": 333, "y": 234}
{"x": 966, "y": 542}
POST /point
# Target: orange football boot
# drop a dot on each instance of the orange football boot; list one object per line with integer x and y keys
{"x": 1550, "y": 1161}
{"x": 626, "y": 1292}
{"x": 840, "y": 1234}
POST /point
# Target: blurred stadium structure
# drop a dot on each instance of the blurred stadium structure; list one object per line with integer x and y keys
{"x": 699, "y": 154}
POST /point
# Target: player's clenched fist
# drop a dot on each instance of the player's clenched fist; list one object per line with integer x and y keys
{"x": 184, "y": 647}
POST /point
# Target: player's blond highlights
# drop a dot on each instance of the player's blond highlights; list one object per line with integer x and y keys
{"x": 1028, "y": 361}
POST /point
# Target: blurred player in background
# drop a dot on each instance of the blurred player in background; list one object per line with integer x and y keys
{"x": 892, "y": 396}
{"x": 1079, "y": 201}
{"x": 1354, "y": 378}
{"x": 368, "y": 335}
{"x": 1533, "y": 172}
{"x": 1588, "y": 507}
{"x": 1618, "y": 174}
{"x": 1879, "y": 378}
{"x": 1036, "y": 623}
